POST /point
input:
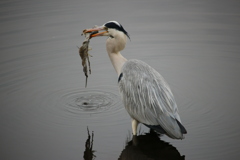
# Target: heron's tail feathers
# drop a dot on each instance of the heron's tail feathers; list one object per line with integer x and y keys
{"x": 157, "y": 128}
{"x": 160, "y": 130}
{"x": 182, "y": 128}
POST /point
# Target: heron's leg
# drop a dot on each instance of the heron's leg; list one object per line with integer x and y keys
{"x": 134, "y": 126}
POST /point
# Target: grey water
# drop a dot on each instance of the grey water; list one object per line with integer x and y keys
{"x": 47, "y": 113}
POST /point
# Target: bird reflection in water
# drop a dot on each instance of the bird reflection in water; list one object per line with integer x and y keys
{"x": 149, "y": 147}
{"x": 89, "y": 152}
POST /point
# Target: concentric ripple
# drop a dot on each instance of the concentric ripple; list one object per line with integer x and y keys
{"x": 83, "y": 106}
{"x": 90, "y": 101}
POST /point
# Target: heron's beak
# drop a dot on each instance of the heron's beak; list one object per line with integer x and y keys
{"x": 97, "y": 31}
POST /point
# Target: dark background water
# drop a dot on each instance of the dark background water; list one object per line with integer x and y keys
{"x": 45, "y": 107}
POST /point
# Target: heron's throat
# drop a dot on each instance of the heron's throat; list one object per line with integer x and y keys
{"x": 114, "y": 46}
{"x": 117, "y": 61}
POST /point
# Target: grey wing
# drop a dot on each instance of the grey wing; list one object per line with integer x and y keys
{"x": 148, "y": 98}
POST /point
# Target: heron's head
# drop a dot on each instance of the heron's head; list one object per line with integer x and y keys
{"x": 117, "y": 35}
{"x": 111, "y": 29}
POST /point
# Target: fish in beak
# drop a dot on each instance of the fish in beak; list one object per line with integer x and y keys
{"x": 96, "y": 31}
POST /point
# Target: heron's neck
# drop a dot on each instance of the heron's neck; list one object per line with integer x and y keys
{"x": 117, "y": 61}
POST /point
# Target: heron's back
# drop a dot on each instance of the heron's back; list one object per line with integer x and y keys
{"x": 148, "y": 98}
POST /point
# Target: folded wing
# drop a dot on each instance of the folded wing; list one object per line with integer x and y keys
{"x": 148, "y": 99}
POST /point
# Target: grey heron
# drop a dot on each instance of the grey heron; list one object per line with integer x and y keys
{"x": 146, "y": 95}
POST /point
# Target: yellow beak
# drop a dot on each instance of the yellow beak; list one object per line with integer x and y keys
{"x": 95, "y": 31}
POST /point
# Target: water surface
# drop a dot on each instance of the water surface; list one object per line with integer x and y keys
{"x": 46, "y": 109}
